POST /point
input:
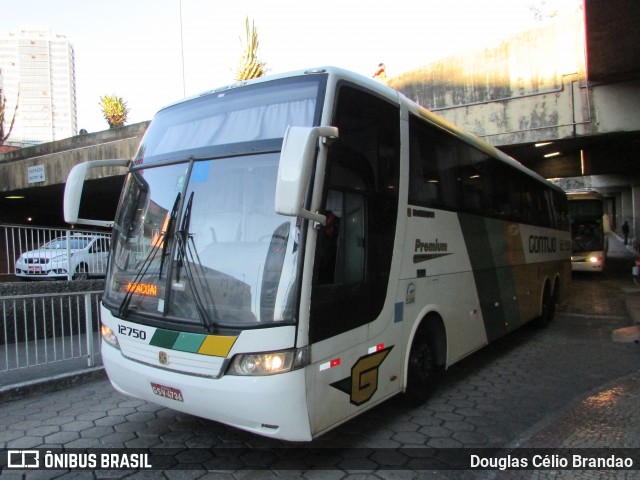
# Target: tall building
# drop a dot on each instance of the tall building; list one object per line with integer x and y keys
{"x": 38, "y": 71}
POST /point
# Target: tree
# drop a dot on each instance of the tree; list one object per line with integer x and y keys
{"x": 249, "y": 66}
{"x": 115, "y": 110}
{"x": 3, "y": 105}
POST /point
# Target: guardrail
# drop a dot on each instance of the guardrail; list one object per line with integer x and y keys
{"x": 48, "y": 334}
{"x": 28, "y": 252}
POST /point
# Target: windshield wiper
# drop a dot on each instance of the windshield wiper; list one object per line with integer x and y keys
{"x": 155, "y": 246}
{"x": 182, "y": 235}
{"x": 187, "y": 256}
{"x": 168, "y": 233}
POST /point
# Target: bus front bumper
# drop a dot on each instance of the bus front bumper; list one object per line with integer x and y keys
{"x": 274, "y": 405}
{"x": 587, "y": 263}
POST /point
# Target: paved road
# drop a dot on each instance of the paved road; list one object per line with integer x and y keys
{"x": 528, "y": 389}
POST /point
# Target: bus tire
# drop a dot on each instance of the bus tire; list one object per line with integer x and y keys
{"x": 548, "y": 307}
{"x": 421, "y": 371}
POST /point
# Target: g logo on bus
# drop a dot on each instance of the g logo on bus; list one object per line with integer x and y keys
{"x": 163, "y": 358}
{"x": 363, "y": 382}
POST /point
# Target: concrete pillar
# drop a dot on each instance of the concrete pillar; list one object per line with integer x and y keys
{"x": 634, "y": 220}
{"x": 610, "y": 208}
{"x": 626, "y": 207}
{"x": 618, "y": 219}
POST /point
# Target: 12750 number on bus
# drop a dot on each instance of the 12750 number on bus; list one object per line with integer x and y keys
{"x": 132, "y": 332}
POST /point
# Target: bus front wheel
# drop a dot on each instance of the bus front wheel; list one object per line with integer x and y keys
{"x": 421, "y": 372}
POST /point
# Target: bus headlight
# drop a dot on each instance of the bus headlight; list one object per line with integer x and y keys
{"x": 108, "y": 336}
{"x": 268, "y": 363}
{"x": 594, "y": 259}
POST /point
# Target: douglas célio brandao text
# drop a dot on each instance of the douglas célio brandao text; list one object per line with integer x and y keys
{"x": 551, "y": 461}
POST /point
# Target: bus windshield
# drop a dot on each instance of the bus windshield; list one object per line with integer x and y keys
{"x": 197, "y": 242}
{"x": 231, "y": 120}
{"x": 586, "y": 225}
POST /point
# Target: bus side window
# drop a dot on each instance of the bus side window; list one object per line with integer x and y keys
{"x": 434, "y": 167}
{"x": 327, "y": 247}
{"x": 341, "y": 241}
{"x": 354, "y": 250}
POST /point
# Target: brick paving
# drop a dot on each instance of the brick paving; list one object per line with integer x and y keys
{"x": 566, "y": 386}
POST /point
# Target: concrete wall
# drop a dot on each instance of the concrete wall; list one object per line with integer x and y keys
{"x": 616, "y": 107}
{"x": 529, "y": 88}
{"x": 59, "y": 157}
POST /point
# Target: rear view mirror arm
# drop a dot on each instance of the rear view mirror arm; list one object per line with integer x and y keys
{"x": 74, "y": 186}
{"x": 297, "y": 161}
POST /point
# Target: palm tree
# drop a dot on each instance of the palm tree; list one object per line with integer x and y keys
{"x": 249, "y": 66}
{"x": 3, "y": 105}
{"x": 114, "y": 109}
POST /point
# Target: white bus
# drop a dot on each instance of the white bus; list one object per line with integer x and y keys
{"x": 292, "y": 251}
{"x": 589, "y": 229}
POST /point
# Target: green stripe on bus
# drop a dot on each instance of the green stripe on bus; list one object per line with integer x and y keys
{"x": 489, "y": 253}
{"x": 164, "y": 338}
{"x": 189, "y": 342}
{"x": 211, "y": 345}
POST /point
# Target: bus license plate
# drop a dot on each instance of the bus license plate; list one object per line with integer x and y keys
{"x": 166, "y": 392}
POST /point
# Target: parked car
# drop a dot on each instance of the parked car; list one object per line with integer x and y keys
{"x": 84, "y": 256}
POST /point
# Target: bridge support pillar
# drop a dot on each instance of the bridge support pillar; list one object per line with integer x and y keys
{"x": 632, "y": 214}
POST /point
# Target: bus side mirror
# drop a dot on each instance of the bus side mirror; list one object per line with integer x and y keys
{"x": 294, "y": 171}
{"x": 73, "y": 190}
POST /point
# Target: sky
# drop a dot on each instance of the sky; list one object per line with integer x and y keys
{"x": 154, "y": 52}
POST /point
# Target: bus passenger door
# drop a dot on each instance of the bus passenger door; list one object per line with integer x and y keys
{"x": 353, "y": 260}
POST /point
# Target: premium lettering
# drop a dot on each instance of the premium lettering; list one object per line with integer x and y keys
{"x": 431, "y": 246}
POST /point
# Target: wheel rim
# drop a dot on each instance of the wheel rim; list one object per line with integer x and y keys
{"x": 420, "y": 371}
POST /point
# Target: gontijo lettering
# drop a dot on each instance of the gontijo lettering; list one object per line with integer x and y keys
{"x": 542, "y": 244}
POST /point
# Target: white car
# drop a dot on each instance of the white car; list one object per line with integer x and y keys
{"x": 82, "y": 255}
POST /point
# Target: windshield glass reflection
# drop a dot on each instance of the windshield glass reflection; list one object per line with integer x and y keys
{"x": 225, "y": 260}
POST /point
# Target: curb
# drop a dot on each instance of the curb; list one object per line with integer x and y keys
{"x": 632, "y": 303}
{"x": 563, "y": 414}
{"x": 51, "y": 384}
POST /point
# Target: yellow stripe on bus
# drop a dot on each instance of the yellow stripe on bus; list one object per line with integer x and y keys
{"x": 216, "y": 345}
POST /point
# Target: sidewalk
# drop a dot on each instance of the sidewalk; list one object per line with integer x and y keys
{"x": 495, "y": 407}
{"x": 609, "y": 416}
{"x": 617, "y": 250}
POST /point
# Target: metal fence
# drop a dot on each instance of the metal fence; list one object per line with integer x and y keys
{"x": 28, "y": 252}
{"x": 48, "y": 334}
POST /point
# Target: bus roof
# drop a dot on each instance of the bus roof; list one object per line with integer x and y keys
{"x": 393, "y": 96}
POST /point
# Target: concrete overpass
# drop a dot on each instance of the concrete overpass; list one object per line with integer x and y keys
{"x": 563, "y": 99}
{"x": 32, "y": 179}
{"x": 573, "y": 86}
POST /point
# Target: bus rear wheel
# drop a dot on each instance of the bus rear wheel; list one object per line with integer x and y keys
{"x": 421, "y": 372}
{"x": 549, "y": 299}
